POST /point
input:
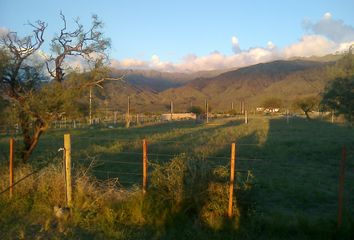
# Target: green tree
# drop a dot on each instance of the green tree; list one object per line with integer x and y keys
{"x": 339, "y": 95}
{"x": 195, "y": 109}
{"x": 307, "y": 104}
{"x": 344, "y": 67}
{"x": 272, "y": 102}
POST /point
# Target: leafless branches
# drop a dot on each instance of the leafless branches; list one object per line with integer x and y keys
{"x": 78, "y": 42}
{"x": 99, "y": 83}
{"x": 20, "y": 49}
{"x": 40, "y": 104}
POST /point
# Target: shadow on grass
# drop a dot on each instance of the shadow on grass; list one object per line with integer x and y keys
{"x": 293, "y": 193}
{"x": 126, "y": 157}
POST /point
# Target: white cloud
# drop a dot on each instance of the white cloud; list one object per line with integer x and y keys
{"x": 129, "y": 63}
{"x": 322, "y": 37}
{"x": 333, "y": 29}
{"x": 327, "y": 16}
{"x": 235, "y": 45}
{"x": 212, "y": 61}
{"x": 3, "y": 31}
{"x": 310, "y": 45}
{"x": 344, "y": 46}
{"x": 155, "y": 59}
{"x": 270, "y": 45}
{"x": 234, "y": 40}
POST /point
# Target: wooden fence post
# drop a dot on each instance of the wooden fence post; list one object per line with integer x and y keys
{"x": 68, "y": 183}
{"x": 341, "y": 186}
{"x": 232, "y": 179}
{"x": 246, "y": 117}
{"x": 145, "y": 165}
{"x": 11, "y": 167}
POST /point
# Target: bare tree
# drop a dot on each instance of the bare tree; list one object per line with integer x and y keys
{"x": 18, "y": 50}
{"x": 78, "y": 42}
{"x": 40, "y": 103}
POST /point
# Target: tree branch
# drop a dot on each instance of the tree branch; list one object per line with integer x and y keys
{"x": 77, "y": 43}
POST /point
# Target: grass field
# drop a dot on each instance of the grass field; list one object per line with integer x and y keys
{"x": 287, "y": 182}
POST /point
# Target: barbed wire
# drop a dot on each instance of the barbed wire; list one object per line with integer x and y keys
{"x": 153, "y": 155}
{"x": 18, "y": 181}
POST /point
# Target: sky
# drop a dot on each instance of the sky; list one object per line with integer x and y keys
{"x": 195, "y": 35}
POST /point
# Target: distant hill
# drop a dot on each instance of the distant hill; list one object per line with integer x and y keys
{"x": 153, "y": 90}
{"x": 326, "y": 58}
{"x": 283, "y": 79}
{"x": 159, "y": 81}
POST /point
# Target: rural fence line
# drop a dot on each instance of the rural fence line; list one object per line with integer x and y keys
{"x": 144, "y": 164}
{"x": 116, "y": 119}
{"x": 142, "y": 160}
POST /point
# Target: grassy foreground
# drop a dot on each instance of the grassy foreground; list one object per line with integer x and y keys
{"x": 287, "y": 183}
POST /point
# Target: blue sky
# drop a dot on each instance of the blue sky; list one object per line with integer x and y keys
{"x": 196, "y": 35}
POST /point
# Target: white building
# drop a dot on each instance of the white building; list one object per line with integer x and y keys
{"x": 178, "y": 116}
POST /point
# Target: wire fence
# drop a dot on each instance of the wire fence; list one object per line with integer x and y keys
{"x": 118, "y": 119}
{"x": 110, "y": 121}
{"x": 121, "y": 159}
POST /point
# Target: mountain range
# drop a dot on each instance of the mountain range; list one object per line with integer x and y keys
{"x": 152, "y": 91}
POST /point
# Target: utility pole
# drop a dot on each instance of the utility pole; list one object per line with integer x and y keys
{"x": 127, "y": 118}
{"x": 137, "y": 119}
{"x": 171, "y": 109}
{"x": 287, "y": 116}
{"x": 115, "y": 118}
{"x": 207, "y": 110}
{"x": 106, "y": 110}
{"x": 90, "y": 120}
{"x": 97, "y": 83}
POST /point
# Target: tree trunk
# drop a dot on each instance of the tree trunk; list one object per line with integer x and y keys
{"x": 307, "y": 115}
{"x": 31, "y": 136}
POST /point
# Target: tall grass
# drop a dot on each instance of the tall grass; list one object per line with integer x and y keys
{"x": 181, "y": 191}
